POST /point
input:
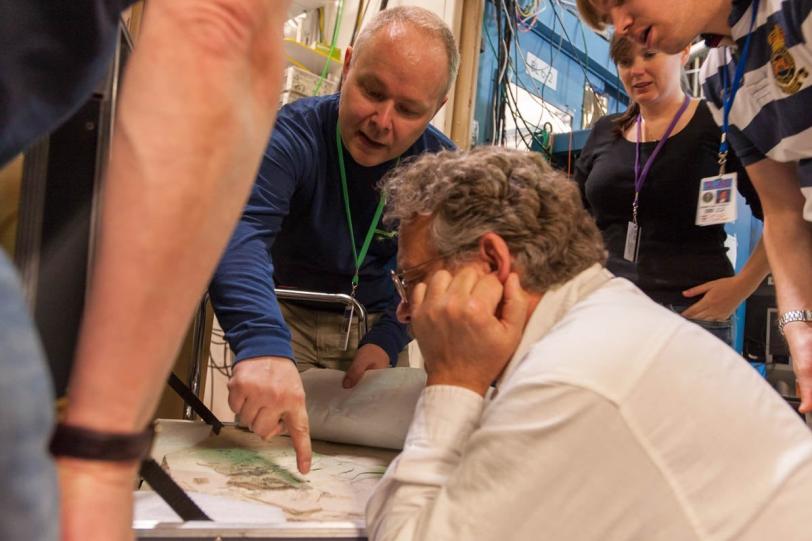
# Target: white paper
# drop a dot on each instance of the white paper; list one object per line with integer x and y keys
{"x": 377, "y": 412}
{"x": 151, "y": 507}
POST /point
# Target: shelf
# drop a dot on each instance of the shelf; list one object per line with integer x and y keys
{"x": 311, "y": 59}
{"x": 297, "y": 7}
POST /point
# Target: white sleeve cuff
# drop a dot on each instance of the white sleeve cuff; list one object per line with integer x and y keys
{"x": 445, "y": 416}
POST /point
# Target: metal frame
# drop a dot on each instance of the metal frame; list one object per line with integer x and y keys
{"x": 327, "y": 298}
{"x": 59, "y": 211}
{"x": 208, "y": 531}
{"x": 199, "y": 358}
{"x": 198, "y": 354}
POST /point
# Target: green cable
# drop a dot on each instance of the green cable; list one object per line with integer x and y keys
{"x": 336, "y": 28}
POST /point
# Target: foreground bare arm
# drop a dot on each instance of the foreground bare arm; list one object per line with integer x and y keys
{"x": 196, "y": 110}
{"x": 788, "y": 239}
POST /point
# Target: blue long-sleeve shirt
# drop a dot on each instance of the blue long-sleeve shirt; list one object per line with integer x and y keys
{"x": 294, "y": 233}
{"x": 53, "y": 56}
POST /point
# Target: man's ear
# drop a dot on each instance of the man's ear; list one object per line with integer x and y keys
{"x": 347, "y": 58}
{"x": 494, "y": 250}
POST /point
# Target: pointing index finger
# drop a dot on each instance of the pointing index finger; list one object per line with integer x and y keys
{"x": 299, "y": 430}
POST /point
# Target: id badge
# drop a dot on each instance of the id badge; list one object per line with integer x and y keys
{"x": 632, "y": 242}
{"x": 717, "y": 200}
{"x": 346, "y": 324}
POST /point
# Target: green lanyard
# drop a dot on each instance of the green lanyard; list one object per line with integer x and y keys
{"x": 359, "y": 257}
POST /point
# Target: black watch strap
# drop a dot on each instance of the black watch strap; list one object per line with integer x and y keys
{"x": 77, "y": 442}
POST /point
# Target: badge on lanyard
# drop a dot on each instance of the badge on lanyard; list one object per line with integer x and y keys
{"x": 358, "y": 255}
{"x": 632, "y": 247}
{"x": 633, "y": 230}
{"x": 717, "y": 195}
{"x": 717, "y": 200}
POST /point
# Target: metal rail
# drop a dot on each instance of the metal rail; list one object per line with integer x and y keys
{"x": 198, "y": 345}
{"x": 199, "y": 356}
{"x": 327, "y": 298}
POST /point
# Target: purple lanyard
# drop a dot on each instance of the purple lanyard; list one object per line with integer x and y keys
{"x": 640, "y": 176}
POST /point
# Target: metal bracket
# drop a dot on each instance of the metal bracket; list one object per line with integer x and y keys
{"x": 327, "y": 298}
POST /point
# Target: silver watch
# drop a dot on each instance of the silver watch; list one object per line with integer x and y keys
{"x": 793, "y": 315}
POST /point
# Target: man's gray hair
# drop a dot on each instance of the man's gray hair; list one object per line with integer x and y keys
{"x": 517, "y": 195}
{"x": 420, "y": 18}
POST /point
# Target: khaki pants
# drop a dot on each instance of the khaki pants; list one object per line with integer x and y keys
{"x": 317, "y": 337}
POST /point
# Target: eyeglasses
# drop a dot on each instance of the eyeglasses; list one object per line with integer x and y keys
{"x": 399, "y": 278}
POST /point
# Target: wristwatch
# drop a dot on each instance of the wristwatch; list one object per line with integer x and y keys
{"x": 793, "y": 315}
{"x": 77, "y": 442}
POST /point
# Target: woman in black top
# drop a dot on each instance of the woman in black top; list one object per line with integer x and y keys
{"x": 679, "y": 264}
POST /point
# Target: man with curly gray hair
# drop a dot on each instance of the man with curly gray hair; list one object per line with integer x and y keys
{"x": 539, "y": 216}
{"x": 611, "y": 417}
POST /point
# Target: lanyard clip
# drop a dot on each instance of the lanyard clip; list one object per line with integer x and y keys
{"x": 635, "y": 206}
{"x": 354, "y": 288}
{"x": 723, "y": 149}
{"x": 722, "y": 162}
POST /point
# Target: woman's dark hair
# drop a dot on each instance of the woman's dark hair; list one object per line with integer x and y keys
{"x": 621, "y": 50}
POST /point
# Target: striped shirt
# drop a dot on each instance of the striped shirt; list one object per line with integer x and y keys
{"x": 772, "y": 114}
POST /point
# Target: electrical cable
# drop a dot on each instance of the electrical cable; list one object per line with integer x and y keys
{"x": 534, "y": 137}
{"x": 516, "y": 113}
{"x": 512, "y": 102}
{"x": 578, "y": 60}
{"x": 336, "y": 27}
{"x": 497, "y": 92}
{"x": 503, "y": 27}
{"x": 507, "y": 38}
{"x": 502, "y": 92}
{"x": 359, "y": 14}
{"x": 493, "y": 111}
{"x": 582, "y": 64}
{"x": 553, "y": 57}
{"x": 539, "y": 100}
{"x": 224, "y": 368}
{"x": 542, "y": 140}
{"x": 528, "y": 16}
{"x": 497, "y": 81}
{"x": 538, "y": 97}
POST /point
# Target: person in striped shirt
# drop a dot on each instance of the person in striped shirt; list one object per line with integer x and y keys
{"x": 770, "y": 121}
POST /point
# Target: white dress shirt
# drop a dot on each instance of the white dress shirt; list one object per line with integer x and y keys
{"x": 615, "y": 419}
